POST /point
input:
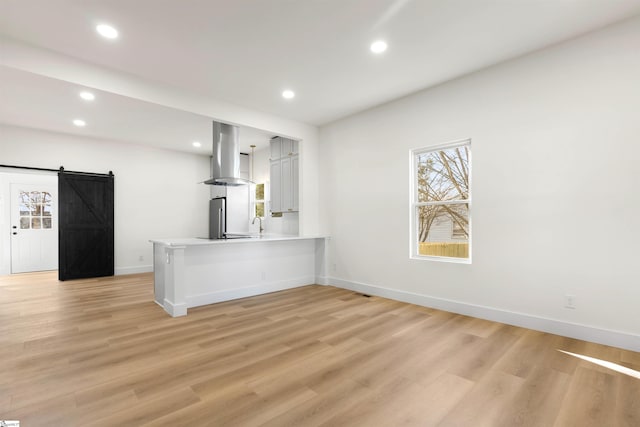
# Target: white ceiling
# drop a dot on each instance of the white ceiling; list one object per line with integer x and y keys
{"x": 247, "y": 51}
{"x": 34, "y": 101}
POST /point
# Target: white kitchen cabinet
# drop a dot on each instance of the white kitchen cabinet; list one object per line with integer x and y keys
{"x": 285, "y": 165}
{"x": 295, "y": 181}
{"x": 288, "y": 147}
{"x": 285, "y": 173}
{"x": 187, "y": 282}
{"x": 276, "y": 148}
{"x": 283, "y": 147}
{"x": 276, "y": 184}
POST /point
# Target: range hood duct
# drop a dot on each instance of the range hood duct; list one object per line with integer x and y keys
{"x": 225, "y": 162}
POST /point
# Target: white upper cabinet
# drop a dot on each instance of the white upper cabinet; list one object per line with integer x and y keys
{"x": 283, "y": 147}
{"x": 276, "y": 148}
{"x": 285, "y": 173}
{"x": 295, "y": 185}
{"x": 288, "y": 147}
{"x": 276, "y": 184}
{"x": 287, "y": 187}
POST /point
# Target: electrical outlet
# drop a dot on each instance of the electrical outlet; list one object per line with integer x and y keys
{"x": 570, "y": 301}
{"x": 141, "y": 258}
{"x": 264, "y": 275}
{"x": 334, "y": 267}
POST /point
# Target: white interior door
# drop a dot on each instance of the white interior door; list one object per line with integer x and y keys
{"x": 34, "y": 227}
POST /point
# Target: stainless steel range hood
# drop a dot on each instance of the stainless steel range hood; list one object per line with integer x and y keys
{"x": 225, "y": 162}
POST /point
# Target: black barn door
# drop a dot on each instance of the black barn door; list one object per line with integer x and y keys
{"x": 85, "y": 225}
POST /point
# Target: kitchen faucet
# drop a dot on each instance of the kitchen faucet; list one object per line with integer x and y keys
{"x": 259, "y": 219}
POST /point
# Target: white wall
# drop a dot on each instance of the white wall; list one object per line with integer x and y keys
{"x": 156, "y": 191}
{"x": 555, "y": 190}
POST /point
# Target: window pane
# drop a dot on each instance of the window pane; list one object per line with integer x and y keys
{"x": 36, "y": 197}
{"x": 24, "y": 197}
{"x": 46, "y": 197}
{"x": 46, "y": 210}
{"x": 443, "y": 230}
{"x": 25, "y": 203}
{"x": 260, "y": 209}
{"x": 259, "y": 191}
{"x": 25, "y": 223}
{"x": 35, "y": 222}
{"x": 36, "y": 210}
{"x": 46, "y": 222}
{"x": 443, "y": 175}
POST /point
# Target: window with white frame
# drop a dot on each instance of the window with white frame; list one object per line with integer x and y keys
{"x": 441, "y": 202}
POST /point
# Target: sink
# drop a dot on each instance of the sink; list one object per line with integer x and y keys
{"x": 242, "y": 236}
{"x": 229, "y": 236}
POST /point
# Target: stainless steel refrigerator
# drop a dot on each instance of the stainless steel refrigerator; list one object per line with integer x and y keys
{"x": 217, "y": 218}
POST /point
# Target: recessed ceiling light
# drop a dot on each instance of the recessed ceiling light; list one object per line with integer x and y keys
{"x": 107, "y": 31}
{"x": 378, "y": 46}
{"x": 79, "y": 123}
{"x": 87, "y": 96}
{"x": 196, "y": 144}
{"x": 288, "y": 94}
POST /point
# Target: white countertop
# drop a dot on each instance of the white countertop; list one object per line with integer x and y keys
{"x": 195, "y": 241}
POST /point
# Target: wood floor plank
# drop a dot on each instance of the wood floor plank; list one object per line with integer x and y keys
{"x": 627, "y": 411}
{"x": 149, "y": 410}
{"x": 101, "y": 352}
{"x": 538, "y": 401}
{"x": 590, "y": 399}
{"x": 484, "y": 403}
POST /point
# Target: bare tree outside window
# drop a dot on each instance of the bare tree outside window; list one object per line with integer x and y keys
{"x": 441, "y": 201}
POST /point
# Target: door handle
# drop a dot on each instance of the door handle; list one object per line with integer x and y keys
{"x": 14, "y": 233}
{"x": 221, "y": 224}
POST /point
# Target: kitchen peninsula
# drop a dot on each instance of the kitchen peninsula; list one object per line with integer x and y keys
{"x": 190, "y": 272}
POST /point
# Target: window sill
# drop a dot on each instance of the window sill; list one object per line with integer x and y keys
{"x": 441, "y": 259}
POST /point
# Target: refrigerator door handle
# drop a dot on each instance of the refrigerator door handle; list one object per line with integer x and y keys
{"x": 220, "y": 224}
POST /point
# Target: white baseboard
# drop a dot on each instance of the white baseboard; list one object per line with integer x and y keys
{"x": 249, "y": 291}
{"x": 121, "y": 271}
{"x": 553, "y": 326}
{"x": 321, "y": 280}
{"x": 175, "y": 310}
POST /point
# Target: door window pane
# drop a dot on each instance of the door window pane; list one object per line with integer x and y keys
{"x": 36, "y": 197}
{"x": 35, "y": 209}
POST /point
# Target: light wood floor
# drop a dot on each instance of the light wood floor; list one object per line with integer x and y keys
{"x": 101, "y": 352}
